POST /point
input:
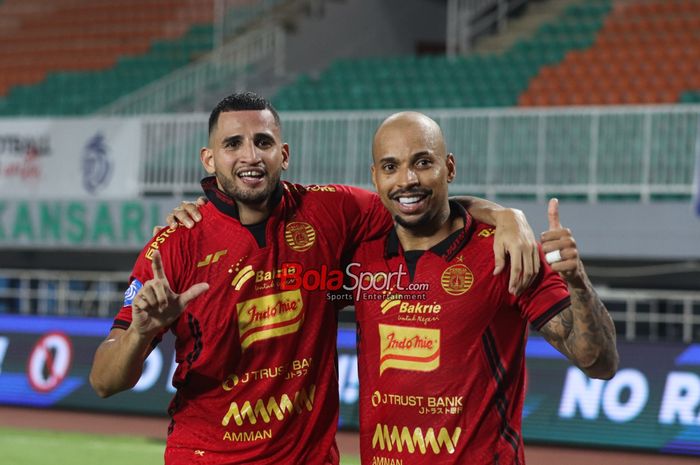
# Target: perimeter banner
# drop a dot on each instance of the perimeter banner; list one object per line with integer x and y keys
{"x": 69, "y": 158}
{"x": 652, "y": 403}
{"x": 81, "y": 224}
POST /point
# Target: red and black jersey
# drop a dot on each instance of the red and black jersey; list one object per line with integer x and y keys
{"x": 256, "y": 378}
{"x": 442, "y": 350}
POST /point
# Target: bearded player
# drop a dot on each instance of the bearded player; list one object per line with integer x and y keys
{"x": 255, "y": 381}
{"x": 442, "y": 370}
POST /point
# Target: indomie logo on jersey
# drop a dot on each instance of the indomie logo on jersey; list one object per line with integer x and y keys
{"x": 457, "y": 279}
{"x": 299, "y": 236}
{"x": 404, "y": 439}
{"x": 269, "y": 316}
{"x": 266, "y": 411}
{"x": 408, "y": 348}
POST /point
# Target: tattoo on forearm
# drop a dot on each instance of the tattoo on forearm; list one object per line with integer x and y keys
{"x": 584, "y": 332}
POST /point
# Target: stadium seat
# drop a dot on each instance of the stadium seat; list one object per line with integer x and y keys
{"x": 645, "y": 53}
{"x": 87, "y": 54}
{"x": 494, "y": 80}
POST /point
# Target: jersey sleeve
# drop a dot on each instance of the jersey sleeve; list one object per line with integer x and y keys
{"x": 545, "y": 298}
{"x": 143, "y": 272}
{"x": 368, "y": 219}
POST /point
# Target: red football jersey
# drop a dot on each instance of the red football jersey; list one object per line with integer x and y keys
{"x": 442, "y": 350}
{"x": 256, "y": 379}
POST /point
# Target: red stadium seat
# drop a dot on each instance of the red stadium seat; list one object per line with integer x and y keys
{"x": 646, "y": 52}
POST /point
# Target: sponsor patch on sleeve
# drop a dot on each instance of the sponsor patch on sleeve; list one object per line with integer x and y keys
{"x": 130, "y": 293}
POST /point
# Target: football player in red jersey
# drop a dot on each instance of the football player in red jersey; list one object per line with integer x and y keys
{"x": 255, "y": 377}
{"x": 442, "y": 356}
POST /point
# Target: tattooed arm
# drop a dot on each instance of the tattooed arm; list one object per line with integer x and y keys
{"x": 584, "y": 332}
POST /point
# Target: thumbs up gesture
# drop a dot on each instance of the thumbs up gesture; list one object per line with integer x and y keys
{"x": 156, "y": 306}
{"x": 559, "y": 247}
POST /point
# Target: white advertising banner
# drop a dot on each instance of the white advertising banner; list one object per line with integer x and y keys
{"x": 69, "y": 158}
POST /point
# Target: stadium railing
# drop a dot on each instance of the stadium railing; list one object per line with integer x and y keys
{"x": 230, "y": 16}
{"x": 61, "y": 293}
{"x": 467, "y": 19}
{"x": 639, "y": 314}
{"x": 231, "y": 62}
{"x": 589, "y": 153}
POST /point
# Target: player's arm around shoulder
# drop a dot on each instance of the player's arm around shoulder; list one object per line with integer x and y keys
{"x": 358, "y": 213}
{"x": 514, "y": 239}
{"x": 584, "y": 331}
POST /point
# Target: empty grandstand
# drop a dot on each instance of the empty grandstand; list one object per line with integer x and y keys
{"x": 103, "y": 110}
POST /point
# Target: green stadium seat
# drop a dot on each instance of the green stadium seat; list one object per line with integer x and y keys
{"x": 690, "y": 97}
{"x": 82, "y": 92}
{"x": 432, "y": 81}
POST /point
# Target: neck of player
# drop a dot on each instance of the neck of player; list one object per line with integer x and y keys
{"x": 424, "y": 237}
{"x": 253, "y": 213}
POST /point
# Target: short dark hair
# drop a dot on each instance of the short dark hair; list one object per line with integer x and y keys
{"x": 241, "y": 101}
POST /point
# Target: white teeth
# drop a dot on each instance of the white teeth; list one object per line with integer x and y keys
{"x": 408, "y": 200}
{"x": 253, "y": 174}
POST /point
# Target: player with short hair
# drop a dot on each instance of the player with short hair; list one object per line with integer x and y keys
{"x": 255, "y": 377}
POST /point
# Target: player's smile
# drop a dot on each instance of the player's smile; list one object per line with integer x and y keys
{"x": 252, "y": 177}
{"x": 411, "y": 202}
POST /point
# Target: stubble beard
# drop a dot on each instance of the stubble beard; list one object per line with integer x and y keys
{"x": 417, "y": 224}
{"x": 249, "y": 196}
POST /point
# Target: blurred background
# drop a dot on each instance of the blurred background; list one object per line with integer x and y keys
{"x": 104, "y": 106}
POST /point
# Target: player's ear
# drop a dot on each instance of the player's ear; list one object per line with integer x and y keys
{"x": 285, "y": 156}
{"x": 206, "y": 155}
{"x": 451, "y": 167}
{"x": 374, "y": 176}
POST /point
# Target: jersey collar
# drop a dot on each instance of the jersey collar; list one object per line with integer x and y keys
{"x": 225, "y": 203}
{"x": 449, "y": 247}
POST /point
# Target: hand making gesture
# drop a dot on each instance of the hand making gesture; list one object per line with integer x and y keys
{"x": 156, "y": 306}
{"x": 560, "y": 250}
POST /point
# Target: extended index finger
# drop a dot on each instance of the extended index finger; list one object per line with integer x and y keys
{"x": 553, "y": 214}
{"x": 157, "y": 265}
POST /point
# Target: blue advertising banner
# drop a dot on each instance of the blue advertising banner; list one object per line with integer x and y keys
{"x": 652, "y": 403}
